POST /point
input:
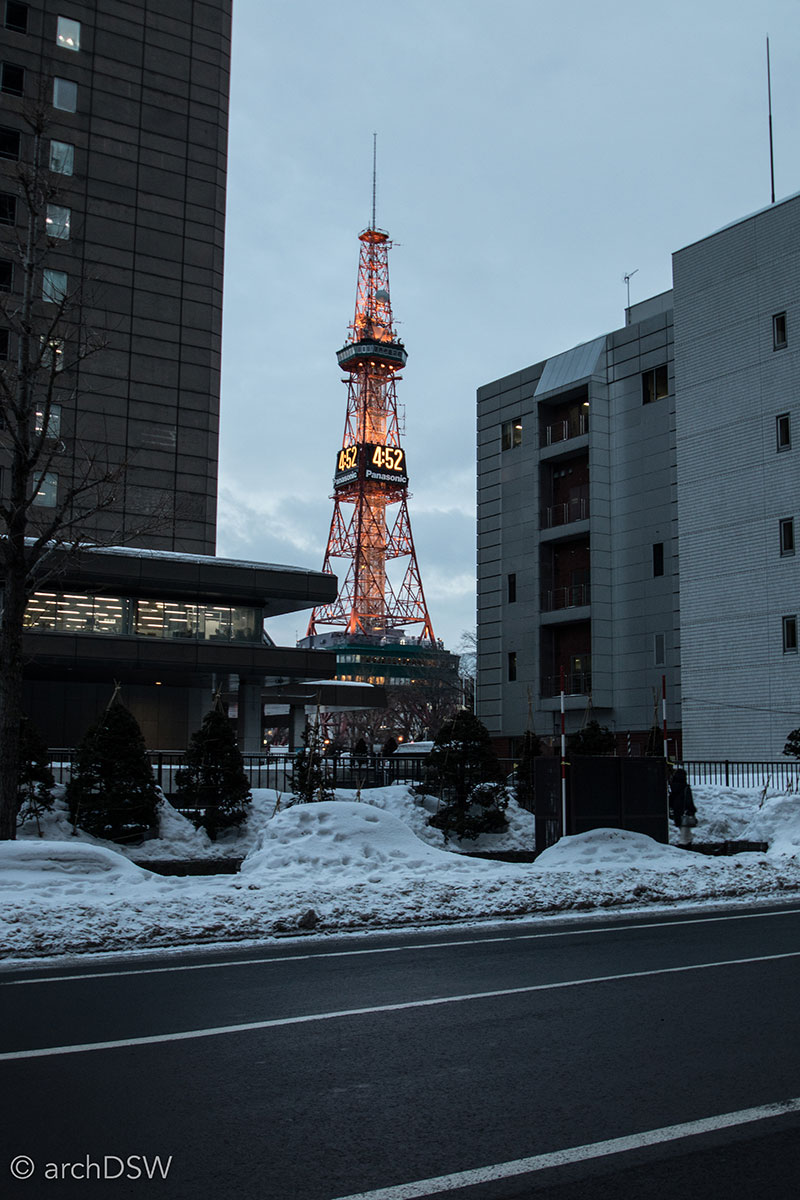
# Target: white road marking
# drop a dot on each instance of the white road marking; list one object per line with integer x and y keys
{"x": 277, "y": 1022}
{"x": 560, "y": 1158}
{"x": 477, "y": 941}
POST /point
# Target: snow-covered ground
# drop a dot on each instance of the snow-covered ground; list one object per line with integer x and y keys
{"x": 366, "y": 860}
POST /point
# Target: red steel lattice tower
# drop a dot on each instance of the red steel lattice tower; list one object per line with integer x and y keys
{"x": 371, "y": 527}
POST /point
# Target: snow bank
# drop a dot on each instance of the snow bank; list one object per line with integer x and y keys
{"x": 42, "y": 862}
{"x": 351, "y": 840}
{"x": 611, "y": 849}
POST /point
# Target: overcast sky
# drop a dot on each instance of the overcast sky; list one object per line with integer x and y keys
{"x": 529, "y": 155}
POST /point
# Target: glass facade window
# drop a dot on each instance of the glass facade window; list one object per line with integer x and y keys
{"x": 12, "y": 79}
{"x": 65, "y": 95}
{"x": 62, "y": 158}
{"x": 783, "y": 429}
{"x": 790, "y": 635}
{"x": 9, "y": 144}
{"x": 68, "y": 34}
{"x": 119, "y": 615}
{"x": 16, "y": 16}
{"x": 786, "y": 536}
{"x": 47, "y": 494}
{"x": 54, "y": 286}
{"x": 53, "y": 421}
{"x": 57, "y": 221}
{"x": 8, "y": 209}
{"x": 511, "y": 434}
{"x": 779, "y": 338}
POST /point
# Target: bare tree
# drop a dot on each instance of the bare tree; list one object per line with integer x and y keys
{"x": 48, "y": 339}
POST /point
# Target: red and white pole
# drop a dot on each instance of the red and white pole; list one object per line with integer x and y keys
{"x": 664, "y": 712}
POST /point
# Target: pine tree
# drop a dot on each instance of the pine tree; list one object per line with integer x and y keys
{"x": 594, "y": 738}
{"x": 212, "y": 779}
{"x": 35, "y": 779}
{"x": 467, "y": 772}
{"x": 112, "y": 793}
{"x": 310, "y": 780}
{"x": 531, "y": 749}
{"x": 792, "y": 746}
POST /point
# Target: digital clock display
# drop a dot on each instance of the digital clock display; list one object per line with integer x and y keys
{"x": 373, "y": 461}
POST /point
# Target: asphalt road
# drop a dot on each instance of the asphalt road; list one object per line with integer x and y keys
{"x": 623, "y": 1056}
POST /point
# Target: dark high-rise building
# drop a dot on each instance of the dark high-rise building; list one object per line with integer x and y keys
{"x": 131, "y": 101}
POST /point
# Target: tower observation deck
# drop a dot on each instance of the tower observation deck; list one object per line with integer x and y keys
{"x": 380, "y": 598}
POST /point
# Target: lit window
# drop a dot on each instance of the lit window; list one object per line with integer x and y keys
{"x": 65, "y": 95}
{"x": 786, "y": 528}
{"x": 54, "y": 286}
{"x": 8, "y": 209}
{"x": 68, "y": 35}
{"x": 9, "y": 143}
{"x": 779, "y": 341}
{"x": 12, "y": 79}
{"x": 57, "y": 221}
{"x": 790, "y": 635}
{"x": 16, "y": 17}
{"x": 62, "y": 158}
{"x": 783, "y": 425}
{"x": 511, "y": 433}
{"x": 47, "y": 493}
{"x": 655, "y": 384}
{"x": 53, "y": 354}
{"x": 53, "y": 421}
{"x": 658, "y": 559}
{"x": 6, "y": 274}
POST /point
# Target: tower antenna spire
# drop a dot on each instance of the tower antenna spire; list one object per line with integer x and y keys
{"x": 374, "y": 175}
{"x": 769, "y": 109}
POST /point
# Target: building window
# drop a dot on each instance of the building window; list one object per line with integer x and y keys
{"x": 62, "y": 158}
{"x": 511, "y": 434}
{"x": 47, "y": 494}
{"x": 54, "y": 286}
{"x": 68, "y": 35}
{"x": 57, "y": 221}
{"x": 790, "y": 635}
{"x": 4, "y": 339}
{"x": 655, "y": 384}
{"x": 9, "y": 143}
{"x": 12, "y": 79}
{"x": 658, "y": 559}
{"x": 779, "y": 331}
{"x": 786, "y": 528}
{"x": 783, "y": 429}
{"x": 8, "y": 209}
{"x": 512, "y": 666}
{"x": 65, "y": 95}
{"x": 53, "y": 421}
{"x": 16, "y": 17}
{"x": 659, "y": 649}
{"x": 512, "y": 589}
{"x": 53, "y": 354}
{"x": 6, "y": 274}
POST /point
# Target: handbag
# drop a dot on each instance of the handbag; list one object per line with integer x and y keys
{"x": 689, "y": 820}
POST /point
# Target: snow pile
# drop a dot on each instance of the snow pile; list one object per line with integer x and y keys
{"x": 614, "y": 849}
{"x": 44, "y": 864}
{"x": 351, "y": 841}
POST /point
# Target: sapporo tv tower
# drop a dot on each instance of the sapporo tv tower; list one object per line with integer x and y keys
{"x": 371, "y": 527}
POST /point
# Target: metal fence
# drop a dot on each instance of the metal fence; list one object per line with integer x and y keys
{"x": 356, "y": 771}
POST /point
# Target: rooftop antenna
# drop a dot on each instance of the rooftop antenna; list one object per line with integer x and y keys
{"x": 626, "y": 279}
{"x": 769, "y": 105}
{"x": 375, "y": 174}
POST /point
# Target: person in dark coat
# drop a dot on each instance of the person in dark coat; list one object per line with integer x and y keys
{"x": 681, "y": 806}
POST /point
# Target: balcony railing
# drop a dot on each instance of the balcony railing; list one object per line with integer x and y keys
{"x": 560, "y": 431}
{"x": 564, "y": 514}
{"x": 565, "y": 597}
{"x": 576, "y": 683}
